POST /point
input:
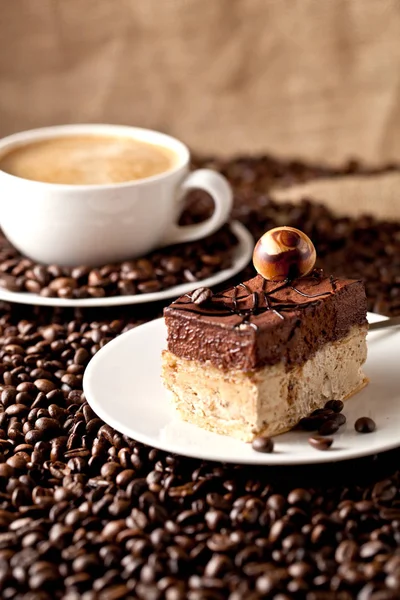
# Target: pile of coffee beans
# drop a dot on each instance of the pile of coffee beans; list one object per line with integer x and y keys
{"x": 89, "y": 514}
{"x": 263, "y": 172}
{"x": 160, "y": 270}
{"x": 325, "y": 422}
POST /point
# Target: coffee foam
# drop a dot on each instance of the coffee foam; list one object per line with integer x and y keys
{"x": 87, "y": 160}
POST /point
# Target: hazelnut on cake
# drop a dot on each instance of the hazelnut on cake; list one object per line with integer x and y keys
{"x": 260, "y": 356}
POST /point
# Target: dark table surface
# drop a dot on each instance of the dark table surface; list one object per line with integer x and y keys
{"x": 88, "y": 513}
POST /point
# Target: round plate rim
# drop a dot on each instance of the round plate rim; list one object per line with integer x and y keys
{"x": 241, "y": 258}
{"x": 273, "y": 459}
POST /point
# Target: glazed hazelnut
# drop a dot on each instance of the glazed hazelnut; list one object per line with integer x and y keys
{"x": 284, "y": 253}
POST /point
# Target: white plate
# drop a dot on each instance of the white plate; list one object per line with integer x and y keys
{"x": 241, "y": 257}
{"x": 123, "y": 386}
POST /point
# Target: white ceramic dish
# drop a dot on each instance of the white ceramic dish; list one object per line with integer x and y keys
{"x": 123, "y": 386}
{"x": 241, "y": 258}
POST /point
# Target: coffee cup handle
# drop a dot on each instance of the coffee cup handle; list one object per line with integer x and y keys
{"x": 219, "y": 189}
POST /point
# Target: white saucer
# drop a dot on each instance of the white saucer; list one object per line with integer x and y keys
{"x": 241, "y": 257}
{"x": 123, "y": 386}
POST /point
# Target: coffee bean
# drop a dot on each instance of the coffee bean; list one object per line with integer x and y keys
{"x": 329, "y": 427}
{"x": 47, "y": 425}
{"x": 17, "y": 410}
{"x": 347, "y": 551}
{"x": 127, "y": 288}
{"x": 384, "y": 491}
{"x": 107, "y": 432}
{"x": 217, "y": 566}
{"x": 201, "y": 296}
{"x": 62, "y": 282}
{"x": 300, "y": 570}
{"x": 81, "y": 356}
{"x": 41, "y": 275}
{"x": 72, "y": 381}
{"x": 32, "y": 286}
{"x": 389, "y": 514}
{"x": 11, "y": 348}
{"x": 311, "y": 423}
{"x": 18, "y": 461}
{"x": 9, "y": 282}
{"x": 339, "y": 419}
{"x": 392, "y": 565}
{"x": 115, "y": 592}
{"x": 86, "y": 563}
{"x": 6, "y": 470}
{"x": 125, "y": 477}
{"x": 268, "y": 583}
{"x": 149, "y": 287}
{"x": 335, "y": 405}
{"x": 263, "y": 444}
{"x": 320, "y": 443}
{"x": 364, "y": 425}
{"x": 8, "y": 396}
{"x": 44, "y": 385}
{"x": 172, "y": 264}
{"x": 372, "y": 548}
{"x": 299, "y": 496}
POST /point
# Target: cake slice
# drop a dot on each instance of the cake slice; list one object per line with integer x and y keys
{"x": 257, "y": 358}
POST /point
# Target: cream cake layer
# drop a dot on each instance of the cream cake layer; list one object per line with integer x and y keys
{"x": 269, "y": 400}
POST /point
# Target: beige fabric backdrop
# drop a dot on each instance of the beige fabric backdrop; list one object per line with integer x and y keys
{"x": 318, "y": 79}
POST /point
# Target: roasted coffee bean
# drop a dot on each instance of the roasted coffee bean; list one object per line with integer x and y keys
{"x": 17, "y": 410}
{"x": 9, "y": 282}
{"x": 320, "y": 443}
{"x": 8, "y": 396}
{"x": 149, "y": 287}
{"x": 47, "y": 425}
{"x": 6, "y": 470}
{"x": 32, "y": 286}
{"x": 44, "y": 385}
{"x": 384, "y": 491}
{"x": 335, "y": 405}
{"x": 263, "y": 444}
{"x": 329, "y": 427}
{"x": 81, "y": 356}
{"x": 299, "y": 496}
{"x": 59, "y": 283}
{"x": 172, "y": 264}
{"x": 372, "y": 548}
{"x": 310, "y": 423}
{"x": 347, "y": 551}
{"x": 364, "y": 425}
{"x": 339, "y": 419}
{"x": 18, "y": 461}
{"x": 125, "y": 477}
{"x": 201, "y": 295}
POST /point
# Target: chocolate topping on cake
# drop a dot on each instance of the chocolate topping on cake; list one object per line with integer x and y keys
{"x": 261, "y": 322}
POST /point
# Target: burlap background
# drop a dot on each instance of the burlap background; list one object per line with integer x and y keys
{"x": 318, "y": 79}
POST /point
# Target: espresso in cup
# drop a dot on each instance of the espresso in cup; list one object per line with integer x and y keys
{"x": 87, "y": 160}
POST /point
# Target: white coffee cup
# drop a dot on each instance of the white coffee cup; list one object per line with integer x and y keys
{"x": 97, "y": 224}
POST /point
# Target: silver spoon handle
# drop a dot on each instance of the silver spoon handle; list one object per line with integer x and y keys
{"x": 393, "y": 322}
